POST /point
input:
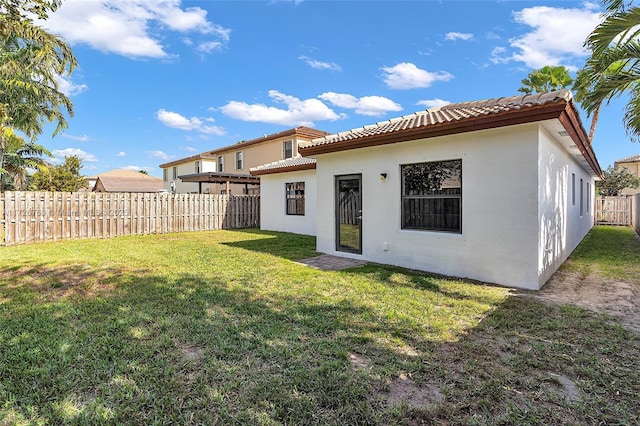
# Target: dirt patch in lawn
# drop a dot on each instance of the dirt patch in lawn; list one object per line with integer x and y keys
{"x": 404, "y": 390}
{"x": 593, "y": 292}
{"x": 62, "y": 282}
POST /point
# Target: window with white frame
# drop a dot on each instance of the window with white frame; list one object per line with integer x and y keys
{"x": 220, "y": 164}
{"x": 239, "y": 160}
{"x": 287, "y": 149}
{"x": 573, "y": 189}
{"x": 175, "y": 173}
{"x": 165, "y": 175}
{"x": 588, "y": 198}
{"x": 432, "y": 196}
{"x": 581, "y": 197}
{"x": 197, "y": 167}
{"x": 295, "y": 198}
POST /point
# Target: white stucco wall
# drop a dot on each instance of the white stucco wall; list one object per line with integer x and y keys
{"x": 562, "y": 227}
{"x": 273, "y": 215}
{"x": 499, "y": 239}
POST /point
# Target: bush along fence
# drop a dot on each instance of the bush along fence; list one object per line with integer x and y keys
{"x": 27, "y": 217}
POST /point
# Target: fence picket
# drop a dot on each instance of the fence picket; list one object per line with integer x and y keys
{"x": 613, "y": 211}
{"x": 28, "y": 217}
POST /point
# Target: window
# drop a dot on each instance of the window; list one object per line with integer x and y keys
{"x": 175, "y": 173}
{"x": 432, "y": 196}
{"x": 220, "y": 164}
{"x": 573, "y": 189}
{"x": 581, "y": 198}
{"x": 197, "y": 167}
{"x": 239, "y": 162}
{"x": 287, "y": 149}
{"x": 295, "y": 198}
{"x": 588, "y": 199}
{"x": 165, "y": 175}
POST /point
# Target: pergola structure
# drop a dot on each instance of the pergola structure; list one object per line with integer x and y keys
{"x": 224, "y": 178}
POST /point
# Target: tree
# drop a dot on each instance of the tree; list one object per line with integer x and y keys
{"x": 20, "y": 157}
{"x": 615, "y": 180}
{"x": 144, "y": 172}
{"x": 31, "y": 62}
{"x": 546, "y": 79}
{"x": 65, "y": 177}
{"x": 614, "y": 65}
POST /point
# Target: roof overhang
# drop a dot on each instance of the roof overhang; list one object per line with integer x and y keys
{"x": 283, "y": 169}
{"x": 563, "y": 111}
{"x": 214, "y": 177}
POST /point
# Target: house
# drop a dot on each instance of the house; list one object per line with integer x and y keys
{"x": 226, "y": 170}
{"x": 499, "y": 190}
{"x": 632, "y": 164}
{"x": 126, "y": 181}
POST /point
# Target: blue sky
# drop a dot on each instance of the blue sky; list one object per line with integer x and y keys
{"x": 160, "y": 80}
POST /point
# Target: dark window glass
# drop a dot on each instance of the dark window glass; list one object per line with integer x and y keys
{"x": 432, "y": 196}
{"x": 287, "y": 147}
{"x": 295, "y": 198}
{"x": 239, "y": 162}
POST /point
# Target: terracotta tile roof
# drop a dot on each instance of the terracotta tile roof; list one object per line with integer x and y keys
{"x": 288, "y": 165}
{"x": 632, "y": 159}
{"x": 465, "y": 117}
{"x": 446, "y": 114}
{"x": 302, "y": 131}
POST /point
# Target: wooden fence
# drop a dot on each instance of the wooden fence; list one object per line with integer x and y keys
{"x": 613, "y": 211}
{"x": 27, "y": 217}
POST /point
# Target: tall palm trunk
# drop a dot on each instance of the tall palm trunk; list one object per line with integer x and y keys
{"x": 594, "y": 121}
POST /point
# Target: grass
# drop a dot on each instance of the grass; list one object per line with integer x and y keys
{"x": 613, "y": 252}
{"x": 223, "y": 328}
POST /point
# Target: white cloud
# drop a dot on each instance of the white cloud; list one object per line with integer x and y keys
{"x": 190, "y": 149}
{"x": 556, "y": 39}
{"x": 433, "y": 103}
{"x": 59, "y": 155}
{"x": 320, "y": 65}
{"x": 68, "y": 87}
{"x": 298, "y": 112}
{"x": 81, "y": 138}
{"x": 178, "y": 121}
{"x": 453, "y": 36}
{"x": 160, "y": 155}
{"x": 130, "y": 27}
{"x": 408, "y": 76}
{"x": 121, "y": 154}
{"x": 367, "y": 105}
{"x": 209, "y": 46}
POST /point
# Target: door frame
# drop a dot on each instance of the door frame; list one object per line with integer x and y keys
{"x": 338, "y": 179}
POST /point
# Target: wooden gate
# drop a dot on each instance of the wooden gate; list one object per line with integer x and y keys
{"x": 613, "y": 211}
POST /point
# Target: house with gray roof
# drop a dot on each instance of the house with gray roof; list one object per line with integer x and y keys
{"x": 498, "y": 190}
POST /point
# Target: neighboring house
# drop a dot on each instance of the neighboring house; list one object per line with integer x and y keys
{"x": 499, "y": 190}
{"x": 632, "y": 164}
{"x": 126, "y": 181}
{"x": 226, "y": 170}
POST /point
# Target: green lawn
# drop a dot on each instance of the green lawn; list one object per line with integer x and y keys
{"x": 224, "y": 328}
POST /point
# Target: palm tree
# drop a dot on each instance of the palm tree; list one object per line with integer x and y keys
{"x": 19, "y": 157}
{"x": 614, "y": 65}
{"x": 546, "y": 79}
{"x": 31, "y": 60}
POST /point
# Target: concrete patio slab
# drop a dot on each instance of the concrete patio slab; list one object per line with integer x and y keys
{"x": 327, "y": 262}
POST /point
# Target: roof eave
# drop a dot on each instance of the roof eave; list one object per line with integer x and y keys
{"x": 296, "y": 168}
{"x": 562, "y": 110}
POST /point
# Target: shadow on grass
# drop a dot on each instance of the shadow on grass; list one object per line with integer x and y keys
{"x": 145, "y": 348}
{"x": 281, "y": 244}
